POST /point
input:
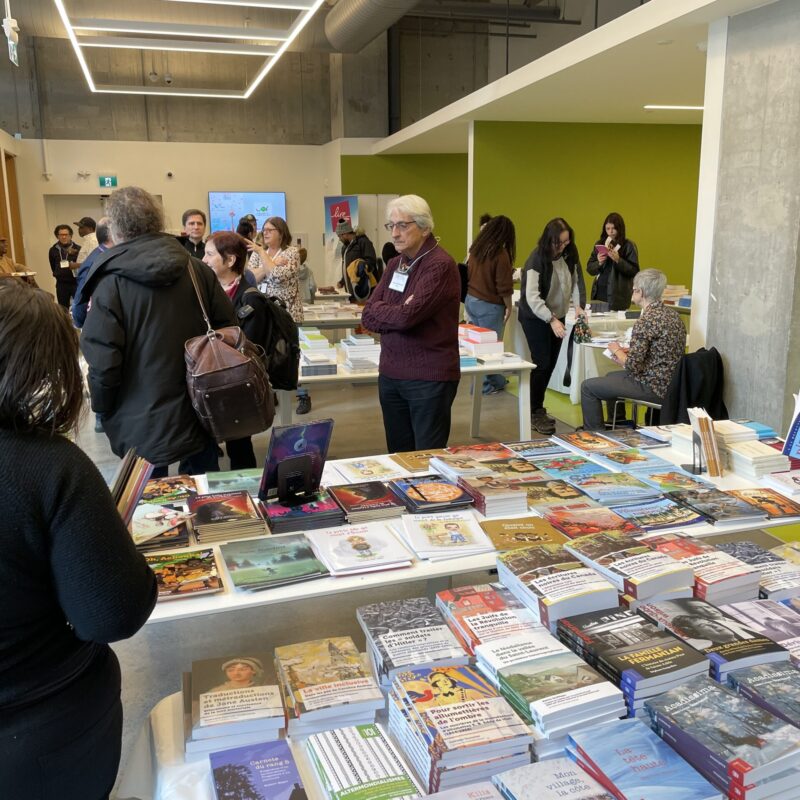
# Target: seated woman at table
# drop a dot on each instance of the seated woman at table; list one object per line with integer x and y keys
{"x": 70, "y": 578}
{"x": 614, "y": 261}
{"x": 551, "y": 278}
{"x": 226, "y": 254}
{"x": 658, "y": 341}
{"x": 490, "y": 266}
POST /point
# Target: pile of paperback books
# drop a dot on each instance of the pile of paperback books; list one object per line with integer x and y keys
{"x": 549, "y": 780}
{"x": 223, "y": 516}
{"x": 440, "y": 537}
{"x": 355, "y": 549}
{"x": 367, "y": 500}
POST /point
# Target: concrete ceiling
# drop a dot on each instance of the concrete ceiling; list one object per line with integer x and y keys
{"x": 652, "y": 55}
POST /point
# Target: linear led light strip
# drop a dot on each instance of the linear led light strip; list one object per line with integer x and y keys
{"x": 673, "y": 108}
{"x": 186, "y": 30}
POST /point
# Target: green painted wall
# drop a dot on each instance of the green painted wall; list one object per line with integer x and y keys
{"x": 440, "y": 178}
{"x": 532, "y": 172}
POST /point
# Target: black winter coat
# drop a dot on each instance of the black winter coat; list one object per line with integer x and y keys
{"x": 143, "y": 310}
{"x": 620, "y": 281}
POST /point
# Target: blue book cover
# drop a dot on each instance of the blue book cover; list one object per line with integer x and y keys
{"x": 660, "y": 514}
{"x": 631, "y": 459}
{"x": 611, "y": 487}
{"x": 567, "y": 467}
{"x": 639, "y": 764}
{"x": 258, "y": 772}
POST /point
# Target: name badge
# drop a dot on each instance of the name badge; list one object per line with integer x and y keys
{"x": 65, "y": 264}
{"x": 398, "y": 282}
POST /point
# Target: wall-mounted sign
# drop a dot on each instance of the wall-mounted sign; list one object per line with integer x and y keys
{"x": 107, "y": 181}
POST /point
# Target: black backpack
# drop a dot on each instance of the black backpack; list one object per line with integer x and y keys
{"x": 281, "y": 341}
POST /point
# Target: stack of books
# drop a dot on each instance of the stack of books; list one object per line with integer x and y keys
{"x": 402, "y": 634}
{"x": 632, "y": 653}
{"x": 318, "y": 511}
{"x": 454, "y": 728}
{"x": 361, "y": 346}
{"x": 718, "y": 576}
{"x": 426, "y": 493}
{"x": 381, "y": 468}
{"x": 762, "y": 430}
{"x": 582, "y": 442}
{"x": 575, "y": 523}
{"x": 549, "y": 780}
{"x": 548, "y": 685}
{"x": 519, "y": 532}
{"x": 569, "y": 466}
{"x": 500, "y": 360}
{"x": 484, "y": 612}
{"x": 516, "y": 468}
{"x": 243, "y": 770}
{"x": 742, "y": 749}
{"x": 360, "y": 761}
{"x": 466, "y": 359}
{"x": 229, "y": 702}
{"x": 548, "y": 494}
{"x": 727, "y": 643}
{"x": 536, "y": 448}
{"x": 186, "y": 574}
{"x": 780, "y": 579}
{"x": 552, "y": 583}
{"x": 325, "y": 685}
{"x": 266, "y": 563}
{"x": 317, "y": 355}
{"x": 630, "y": 761}
{"x": 703, "y": 431}
{"x": 483, "y": 790}
{"x": 774, "y": 687}
{"x": 772, "y": 619}
{"x": 439, "y": 537}
{"x": 752, "y": 459}
{"x": 247, "y": 480}
{"x": 365, "y": 501}
{"x": 129, "y": 483}
{"x": 787, "y": 483}
{"x": 224, "y": 516}
{"x": 455, "y": 467}
{"x": 728, "y": 432}
{"x": 174, "y": 491}
{"x": 632, "y": 566}
{"x": 495, "y": 496}
{"x": 479, "y": 341}
{"x": 156, "y": 527}
{"x": 481, "y": 452}
{"x": 355, "y": 549}
{"x": 630, "y": 459}
{"x": 718, "y": 507}
{"x": 612, "y": 488}
{"x": 660, "y": 514}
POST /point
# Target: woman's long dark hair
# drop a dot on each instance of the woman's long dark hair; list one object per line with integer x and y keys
{"x": 551, "y": 237}
{"x": 619, "y": 223}
{"x": 40, "y": 379}
{"x": 496, "y": 235}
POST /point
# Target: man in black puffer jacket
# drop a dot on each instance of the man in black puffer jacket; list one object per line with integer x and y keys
{"x": 143, "y": 309}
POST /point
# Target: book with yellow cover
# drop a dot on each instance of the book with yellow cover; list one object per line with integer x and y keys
{"x": 513, "y": 533}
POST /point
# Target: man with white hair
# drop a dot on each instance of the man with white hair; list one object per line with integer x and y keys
{"x": 415, "y": 308}
{"x": 658, "y": 341}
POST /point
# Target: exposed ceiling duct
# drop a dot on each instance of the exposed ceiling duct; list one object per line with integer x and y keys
{"x": 352, "y": 24}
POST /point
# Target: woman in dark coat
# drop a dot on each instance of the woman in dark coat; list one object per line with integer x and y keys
{"x": 614, "y": 262}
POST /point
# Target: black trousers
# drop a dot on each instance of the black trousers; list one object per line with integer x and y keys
{"x": 544, "y": 346}
{"x": 66, "y": 747}
{"x": 416, "y": 414}
{"x": 241, "y": 453}
{"x": 206, "y": 460}
{"x": 65, "y": 291}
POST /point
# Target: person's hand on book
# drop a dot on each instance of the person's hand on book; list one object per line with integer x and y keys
{"x": 613, "y": 254}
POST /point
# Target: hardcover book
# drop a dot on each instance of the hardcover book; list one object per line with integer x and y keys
{"x": 185, "y": 574}
{"x": 156, "y": 527}
{"x": 547, "y": 493}
{"x": 319, "y": 511}
{"x": 512, "y": 534}
{"x": 258, "y": 772}
{"x": 514, "y": 468}
{"x": 416, "y": 460}
{"x": 439, "y": 536}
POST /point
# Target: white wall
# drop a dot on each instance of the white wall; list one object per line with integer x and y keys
{"x": 306, "y": 173}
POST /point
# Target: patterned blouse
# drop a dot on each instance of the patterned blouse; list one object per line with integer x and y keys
{"x": 658, "y": 341}
{"x": 283, "y": 281}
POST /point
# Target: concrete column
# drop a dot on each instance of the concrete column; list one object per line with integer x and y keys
{"x": 753, "y": 311}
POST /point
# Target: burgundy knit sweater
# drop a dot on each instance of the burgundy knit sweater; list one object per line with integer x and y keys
{"x": 419, "y": 339}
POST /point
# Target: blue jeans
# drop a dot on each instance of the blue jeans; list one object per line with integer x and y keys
{"x": 487, "y": 315}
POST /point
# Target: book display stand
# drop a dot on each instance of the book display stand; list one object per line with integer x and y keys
{"x": 696, "y": 467}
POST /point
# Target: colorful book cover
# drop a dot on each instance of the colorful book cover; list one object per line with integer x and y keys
{"x": 771, "y": 619}
{"x": 775, "y": 687}
{"x": 659, "y": 514}
{"x": 608, "y": 487}
{"x": 222, "y": 507}
{"x": 631, "y": 460}
{"x": 672, "y": 480}
{"x": 322, "y": 503}
{"x": 553, "y": 779}
{"x": 271, "y": 561}
{"x": 514, "y": 468}
{"x": 584, "y": 522}
{"x": 536, "y": 448}
{"x": 634, "y": 438}
{"x": 152, "y": 522}
{"x": 257, "y": 772}
{"x": 789, "y": 551}
{"x": 416, "y": 460}
{"x": 659, "y": 773}
{"x": 375, "y": 468}
{"x": 358, "y": 547}
{"x": 444, "y": 534}
{"x": 163, "y": 491}
{"x": 367, "y": 496}
{"x": 241, "y": 480}
{"x": 567, "y": 466}
{"x": 716, "y": 505}
{"x": 768, "y": 501}
{"x": 481, "y": 452}
{"x": 552, "y": 492}
{"x": 311, "y": 439}
{"x": 324, "y": 673}
{"x": 429, "y": 491}
{"x": 587, "y": 441}
{"x": 486, "y": 487}
{"x": 512, "y": 534}
{"x": 779, "y": 577}
{"x": 185, "y": 574}
{"x": 475, "y": 791}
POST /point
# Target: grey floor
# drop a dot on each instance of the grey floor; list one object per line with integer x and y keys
{"x": 152, "y": 661}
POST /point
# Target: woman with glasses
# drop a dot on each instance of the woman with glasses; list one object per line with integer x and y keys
{"x": 415, "y": 308}
{"x": 552, "y": 278}
{"x": 614, "y": 261}
{"x": 276, "y": 267}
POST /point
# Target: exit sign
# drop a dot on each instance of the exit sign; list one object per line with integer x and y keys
{"x": 107, "y": 181}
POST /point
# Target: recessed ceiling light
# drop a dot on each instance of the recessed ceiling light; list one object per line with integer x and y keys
{"x": 663, "y": 42}
{"x": 672, "y": 108}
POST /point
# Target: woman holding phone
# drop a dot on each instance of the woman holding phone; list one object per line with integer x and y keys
{"x": 614, "y": 263}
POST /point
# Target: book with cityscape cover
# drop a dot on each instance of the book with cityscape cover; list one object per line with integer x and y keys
{"x": 632, "y": 566}
{"x": 775, "y": 687}
{"x": 553, "y": 779}
{"x": 609, "y": 488}
{"x": 772, "y": 619}
{"x": 429, "y": 493}
{"x": 325, "y": 677}
{"x": 514, "y": 533}
{"x": 584, "y": 522}
{"x": 727, "y": 643}
{"x": 185, "y": 574}
{"x": 256, "y": 564}
{"x": 659, "y": 514}
{"x": 629, "y": 650}
{"x": 416, "y": 460}
{"x": 715, "y": 728}
{"x": 718, "y": 507}
{"x": 258, "y": 772}
{"x": 536, "y": 448}
{"x": 607, "y": 753}
{"x": 164, "y": 491}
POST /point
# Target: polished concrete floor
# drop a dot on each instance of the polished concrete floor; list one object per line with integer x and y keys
{"x": 152, "y": 661}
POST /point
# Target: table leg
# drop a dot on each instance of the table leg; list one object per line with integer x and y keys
{"x": 524, "y": 405}
{"x": 284, "y": 414}
{"x": 477, "y": 397}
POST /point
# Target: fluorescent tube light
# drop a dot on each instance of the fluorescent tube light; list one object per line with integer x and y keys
{"x": 176, "y": 45}
{"x": 672, "y": 108}
{"x": 299, "y": 5}
{"x": 176, "y": 29}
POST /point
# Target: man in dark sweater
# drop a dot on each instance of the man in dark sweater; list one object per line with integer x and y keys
{"x": 415, "y": 308}
{"x": 194, "y": 229}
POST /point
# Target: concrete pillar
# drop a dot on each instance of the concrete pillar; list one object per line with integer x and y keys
{"x": 753, "y": 302}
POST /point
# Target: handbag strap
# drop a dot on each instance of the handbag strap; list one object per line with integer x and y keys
{"x": 193, "y": 276}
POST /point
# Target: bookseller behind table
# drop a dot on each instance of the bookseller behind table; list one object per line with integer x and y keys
{"x": 70, "y": 579}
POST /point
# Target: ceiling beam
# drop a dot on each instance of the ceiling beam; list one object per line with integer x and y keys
{"x": 177, "y": 29}
{"x": 177, "y": 45}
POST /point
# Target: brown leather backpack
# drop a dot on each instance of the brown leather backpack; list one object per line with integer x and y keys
{"x": 227, "y": 381}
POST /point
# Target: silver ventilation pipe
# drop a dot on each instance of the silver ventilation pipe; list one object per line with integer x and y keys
{"x": 352, "y": 24}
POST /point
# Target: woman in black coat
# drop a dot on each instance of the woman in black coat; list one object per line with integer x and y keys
{"x": 614, "y": 262}
{"x": 226, "y": 254}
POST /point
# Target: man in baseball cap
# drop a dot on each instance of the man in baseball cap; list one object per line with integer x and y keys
{"x": 86, "y": 230}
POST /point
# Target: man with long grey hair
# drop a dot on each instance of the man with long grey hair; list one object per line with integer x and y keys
{"x": 143, "y": 310}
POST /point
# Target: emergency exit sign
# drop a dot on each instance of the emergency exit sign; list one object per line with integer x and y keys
{"x": 107, "y": 181}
